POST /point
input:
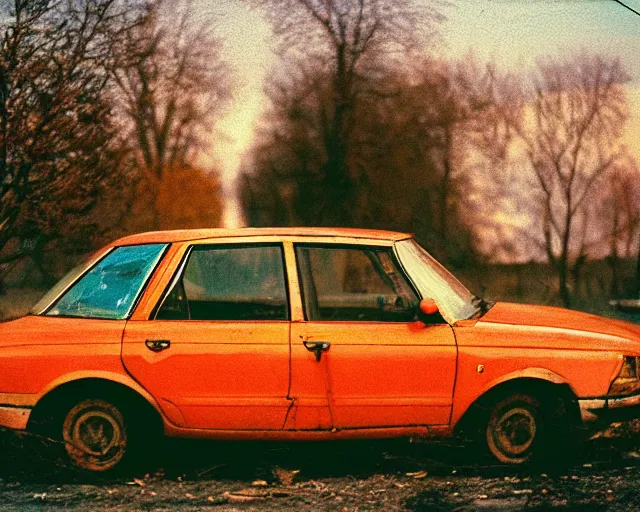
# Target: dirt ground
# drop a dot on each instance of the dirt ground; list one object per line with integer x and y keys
{"x": 192, "y": 476}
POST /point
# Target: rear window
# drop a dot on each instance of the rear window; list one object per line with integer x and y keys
{"x": 110, "y": 289}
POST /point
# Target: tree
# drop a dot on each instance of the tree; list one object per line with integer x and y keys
{"x": 620, "y": 216}
{"x": 171, "y": 91}
{"x": 410, "y": 152}
{"x": 447, "y": 126}
{"x": 349, "y": 45}
{"x": 570, "y": 127}
{"x": 55, "y": 124}
{"x": 188, "y": 198}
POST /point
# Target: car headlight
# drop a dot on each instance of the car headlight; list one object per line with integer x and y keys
{"x": 627, "y": 380}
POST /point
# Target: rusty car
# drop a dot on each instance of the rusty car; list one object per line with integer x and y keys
{"x": 301, "y": 334}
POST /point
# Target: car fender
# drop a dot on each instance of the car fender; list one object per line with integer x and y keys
{"x": 534, "y": 373}
{"x": 541, "y": 374}
{"x": 526, "y": 373}
{"x": 117, "y": 378}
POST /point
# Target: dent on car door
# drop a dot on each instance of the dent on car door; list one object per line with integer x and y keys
{"x": 378, "y": 365}
{"x": 216, "y": 352}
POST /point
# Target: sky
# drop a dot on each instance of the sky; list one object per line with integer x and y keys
{"x": 512, "y": 33}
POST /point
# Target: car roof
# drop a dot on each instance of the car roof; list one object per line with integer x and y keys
{"x": 185, "y": 235}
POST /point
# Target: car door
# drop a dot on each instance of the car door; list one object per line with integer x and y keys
{"x": 215, "y": 351}
{"x": 360, "y": 341}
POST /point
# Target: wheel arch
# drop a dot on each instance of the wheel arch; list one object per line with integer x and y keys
{"x": 540, "y": 383}
{"x": 62, "y": 393}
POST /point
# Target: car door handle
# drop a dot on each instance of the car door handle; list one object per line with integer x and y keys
{"x": 317, "y": 347}
{"x": 157, "y": 345}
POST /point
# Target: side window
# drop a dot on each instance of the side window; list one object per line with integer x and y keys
{"x": 109, "y": 290}
{"x": 354, "y": 284}
{"x": 229, "y": 283}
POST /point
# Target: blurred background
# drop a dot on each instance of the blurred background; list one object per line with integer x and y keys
{"x": 504, "y": 134}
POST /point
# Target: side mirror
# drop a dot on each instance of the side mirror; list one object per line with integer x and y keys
{"x": 429, "y": 313}
{"x": 428, "y": 307}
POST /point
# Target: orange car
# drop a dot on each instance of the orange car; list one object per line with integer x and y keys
{"x": 300, "y": 334}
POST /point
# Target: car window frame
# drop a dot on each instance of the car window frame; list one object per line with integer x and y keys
{"x": 184, "y": 259}
{"x": 94, "y": 264}
{"x": 362, "y": 248}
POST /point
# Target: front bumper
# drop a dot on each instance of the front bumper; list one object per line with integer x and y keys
{"x": 610, "y": 408}
{"x": 14, "y": 417}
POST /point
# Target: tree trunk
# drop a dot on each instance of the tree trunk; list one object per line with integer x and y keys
{"x": 563, "y": 281}
{"x": 563, "y": 263}
{"x": 613, "y": 257}
{"x": 337, "y": 178}
{"x": 445, "y": 189}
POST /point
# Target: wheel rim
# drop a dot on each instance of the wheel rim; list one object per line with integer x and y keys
{"x": 96, "y": 433}
{"x": 94, "y": 437}
{"x": 514, "y": 432}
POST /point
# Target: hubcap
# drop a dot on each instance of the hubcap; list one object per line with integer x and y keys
{"x": 96, "y": 433}
{"x": 515, "y": 431}
{"x": 94, "y": 436}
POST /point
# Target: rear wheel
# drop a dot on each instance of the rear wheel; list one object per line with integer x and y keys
{"x": 95, "y": 435}
{"x": 515, "y": 429}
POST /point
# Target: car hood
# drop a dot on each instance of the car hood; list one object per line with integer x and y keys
{"x": 559, "y": 318}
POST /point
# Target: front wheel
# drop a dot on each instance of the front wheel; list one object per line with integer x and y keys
{"x": 515, "y": 429}
{"x": 95, "y": 435}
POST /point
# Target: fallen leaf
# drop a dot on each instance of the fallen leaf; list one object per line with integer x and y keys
{"x": 190, "y": 496}
{"x": 285, "y": 476}
{"x": 259, "y": 483}
{"x": 137, "y": 481}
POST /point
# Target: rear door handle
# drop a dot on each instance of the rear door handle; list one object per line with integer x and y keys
{"x": 157, "y": 345}
{"x": 317, "y": 347}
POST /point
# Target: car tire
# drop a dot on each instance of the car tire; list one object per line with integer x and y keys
{"x": 95, "y": 435}
{"x": 515, "y": 429}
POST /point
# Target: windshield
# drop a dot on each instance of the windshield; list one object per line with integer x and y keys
{"x": 67, "y": 280}
{"x": 435, "y": 282}
{"x": 109, "y": 290}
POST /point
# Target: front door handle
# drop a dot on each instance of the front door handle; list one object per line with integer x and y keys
{"x": 157, "y": 345}
{"x": 317, "y": 347}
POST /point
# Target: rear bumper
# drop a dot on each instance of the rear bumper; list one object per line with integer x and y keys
{"x": 610, "y": 409}
{"x": 14, "y": 417}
